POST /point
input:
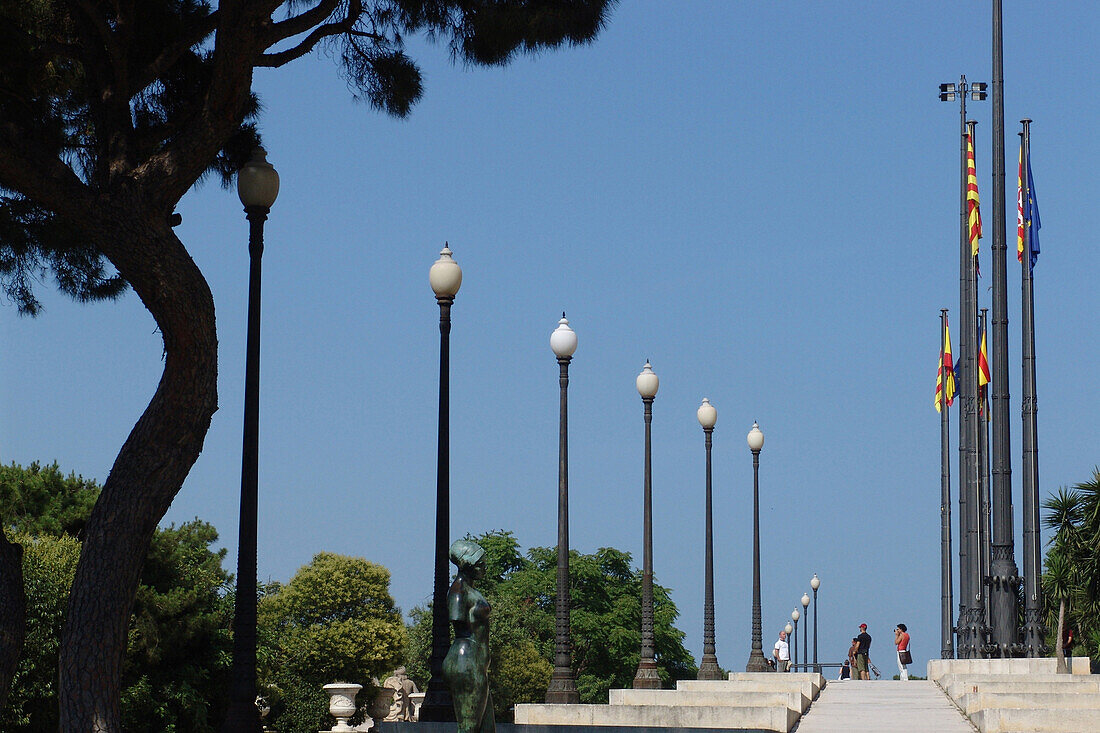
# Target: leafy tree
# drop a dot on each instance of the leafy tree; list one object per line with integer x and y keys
{"x": 109, "y": 113}
{"x": 49, "y": 563}
{"x": 34, "y": 501}
{"x": 605, "y": 619}
{"x": 334, "y": 622}
{"x": 177, "y": 661}
{"x": 1071, "y": 580}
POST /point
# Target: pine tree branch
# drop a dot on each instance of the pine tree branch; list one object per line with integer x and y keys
{"x": 301, "y": 23}
{"x": 172, "y": 54}
{"x": 43, "y": 178}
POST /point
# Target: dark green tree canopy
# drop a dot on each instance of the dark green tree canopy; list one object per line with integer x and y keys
{"x": 39, "y": 500}
{"x": 177, "y": 658}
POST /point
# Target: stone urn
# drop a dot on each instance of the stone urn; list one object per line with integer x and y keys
{"x": 341, "y": 703}
{"x": 380, "y": 704}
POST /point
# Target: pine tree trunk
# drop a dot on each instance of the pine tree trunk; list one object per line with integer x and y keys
{"x": 13, "y": 612}
{"x": 149, "y": 470}
{"x": 1060, "y": 654}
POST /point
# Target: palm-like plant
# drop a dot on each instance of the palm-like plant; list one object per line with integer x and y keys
{"x": 1064, "y": 513}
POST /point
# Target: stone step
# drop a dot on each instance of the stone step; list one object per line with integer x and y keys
{"x": 779, "y": 684}
{"x": 1041, "y": 665}
{"x": 958, "y": 687}
{"x": 1053, "y": 702}
{"x": 1016, "y": 720}
{"x": 773, "y": 718}
{"x": 733, "y": 697}
{"x": 816, "y": 679}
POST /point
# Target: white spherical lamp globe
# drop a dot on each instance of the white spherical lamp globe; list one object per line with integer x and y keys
{"x": 445, "y": 276}
{"x": 563, "y": 339}
{"x": 258, "y": 181}
{"x": 647, "y": 382}
{"x": 815, "y": 582}
{"x": 755, "y": 438}
{"x": 707, "y": 415}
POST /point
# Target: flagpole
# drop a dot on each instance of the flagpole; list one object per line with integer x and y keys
{"x": 964, "y": 364}
{"x": 975, "y": 600}
{"x": 1004, "y": 574}
{"x": 947, "y": 647}
{"x": 1033, "y": 601}
{"x": 983, "y": 479}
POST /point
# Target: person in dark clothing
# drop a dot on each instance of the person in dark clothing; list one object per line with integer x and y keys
{"x": 863, "y": 652}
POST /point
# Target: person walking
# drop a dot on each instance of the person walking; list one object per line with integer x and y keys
{"x": 901, "y": 640}
{"x": 863, "y": 653}
{"x": 781, "y": 652}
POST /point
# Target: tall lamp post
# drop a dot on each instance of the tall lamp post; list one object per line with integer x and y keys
{"x": 815, "y": 583}
{"x": 563, "y": 688}
{"x": 969, "y": 627}
{"x": 756, "y": 655}
{"x": 794, "y": 659}
{"x": 795, "y": 615}
{"x": 805, "y": 630}
{"x": 445, "y": 278}
{"x": 646, "y": 677}
{"x": 257, "y": 187}
{"x": 708, "y": 667}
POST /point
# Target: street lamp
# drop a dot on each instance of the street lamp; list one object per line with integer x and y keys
{"x": 563, "y": 689}
{"x": 756, "y": 655}
{"x": 971, "y": 582}
{"x": 708, "y": 667}
{"x": 794, "y": 661}
{"x": 795, "y": 615}
{"x": 445, "y": 278}
{"x": 815, "y": 583}
{"x": 646, "y": 677}
{"x": 805, "y": 630}
{"x": 257, "y": 187}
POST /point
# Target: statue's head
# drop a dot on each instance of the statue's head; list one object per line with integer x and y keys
{"x": 466, "y": 554}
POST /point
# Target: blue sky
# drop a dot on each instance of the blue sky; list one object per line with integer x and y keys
{"x": 760, "y": 198}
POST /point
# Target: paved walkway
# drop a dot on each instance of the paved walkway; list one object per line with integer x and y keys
{"x": 883, "y": 707}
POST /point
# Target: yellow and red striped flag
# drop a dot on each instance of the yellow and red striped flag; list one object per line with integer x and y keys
{"x": 1020, "y": 206}
{"x": 973, "y": 213}
{"x": 946, "y": 372}
{"x": 983, "y": 380}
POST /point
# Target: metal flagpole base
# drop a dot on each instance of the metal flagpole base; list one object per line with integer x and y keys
{"x": 708, "y": 668}
{"x": 562, "y": 689}
{"x": 647, "y": 678}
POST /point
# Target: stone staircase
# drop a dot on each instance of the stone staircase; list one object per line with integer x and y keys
{"x": 746, "y": 701}
{"x": 1018, "y": 695}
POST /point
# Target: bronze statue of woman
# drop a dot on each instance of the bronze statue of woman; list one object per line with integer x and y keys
{"x": 466, "y": 666}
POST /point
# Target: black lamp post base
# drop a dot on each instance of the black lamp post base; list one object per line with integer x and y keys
{"x": 757, "y": 663}
{"x": 708, "y": 668}
{"x": 562, "y": 689}
{"x": 647, "y": 678}
{"x": 437, "y": 707}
